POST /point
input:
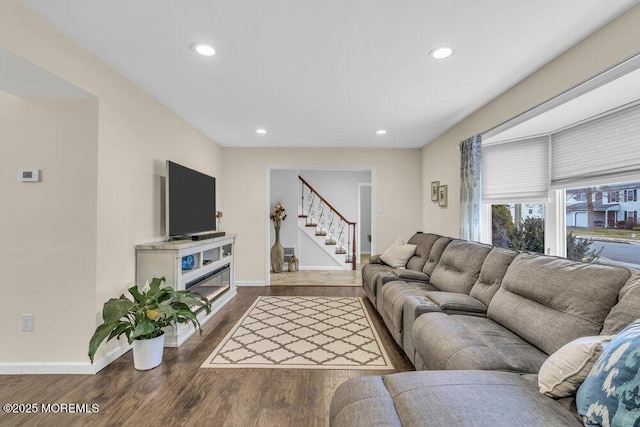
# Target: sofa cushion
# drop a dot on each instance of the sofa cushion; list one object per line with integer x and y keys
{"x": 626, "y": 310}
{"x": 363, "y": 401}
{"x": 424, "y": 242}
{"x": 493, "y": 270}
{"x": 454, "y": 303}
{"x": 446, "y": 398}
{"x": 472, "y": 398}
{"x": 398, "y": 253}
{"x": 609, "y": 396}
{"x": 551, "y": 301}
{"x": 468, "y": 342}
{"x": 436, "y": 252}
{"x": 565, "y": 370}
{"x": 459, "y": 266}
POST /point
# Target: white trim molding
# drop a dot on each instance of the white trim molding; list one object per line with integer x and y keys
{"x": 68, "y": 368}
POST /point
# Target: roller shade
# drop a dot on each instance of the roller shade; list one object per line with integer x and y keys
{"x": 516, "y": 171}
{"x": 604, "y": 149}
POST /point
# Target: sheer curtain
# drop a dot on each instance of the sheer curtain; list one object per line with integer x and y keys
{"x": 470, "y": 188}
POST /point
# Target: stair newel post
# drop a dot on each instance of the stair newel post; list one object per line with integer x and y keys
{"x": 348, "y": 250}
{"x": 301, "y": 198}
{"x": 353, "y": 252}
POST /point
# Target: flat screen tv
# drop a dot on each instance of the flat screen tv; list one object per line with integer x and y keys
{"x": 190, "y": 201}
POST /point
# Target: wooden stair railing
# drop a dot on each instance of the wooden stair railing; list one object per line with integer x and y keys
{"x": 318, "y": 212}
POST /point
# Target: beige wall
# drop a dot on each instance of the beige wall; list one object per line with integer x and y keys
{"x": 396, "y": 181}
{"x": 135, "y": 136}
{"x": 48, "y": 228}
{"x": 441, "y": 159}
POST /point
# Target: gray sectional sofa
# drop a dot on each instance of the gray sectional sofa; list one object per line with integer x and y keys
{"x": 478, "y": 322}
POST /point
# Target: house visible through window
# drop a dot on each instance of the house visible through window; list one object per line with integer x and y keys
{"x": 603, "y": 227}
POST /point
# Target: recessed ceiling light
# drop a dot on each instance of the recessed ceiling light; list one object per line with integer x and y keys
{"x": 261, "y": 131}
{"x": 381, "y": 132}
{"x": 203, "y": 49}
{"x": 441, "y": 52}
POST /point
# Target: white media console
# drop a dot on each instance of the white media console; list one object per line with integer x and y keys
{"x": 210, "y": 272}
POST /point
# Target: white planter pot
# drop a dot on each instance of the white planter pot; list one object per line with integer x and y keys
{"x": 147, "y": 354}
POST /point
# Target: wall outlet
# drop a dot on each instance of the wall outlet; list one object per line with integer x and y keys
{"x": 26, "y": 322}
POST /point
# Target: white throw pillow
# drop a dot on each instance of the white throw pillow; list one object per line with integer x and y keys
{"x": 398, "y": 253}
{"x": 565, "y": 370}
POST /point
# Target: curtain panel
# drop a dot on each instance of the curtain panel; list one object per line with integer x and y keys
{"x": 470, "y": 188}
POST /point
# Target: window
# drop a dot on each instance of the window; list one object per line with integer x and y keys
{"x": 518, "y": 226}
{"x": 601, "y": 229}
{"x": 580, "y": 170}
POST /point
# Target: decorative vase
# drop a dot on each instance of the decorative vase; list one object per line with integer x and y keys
{"x": 277, "y": 254}
{"x": 147, "y": 354}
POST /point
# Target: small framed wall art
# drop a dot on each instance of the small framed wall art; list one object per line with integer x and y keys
{"x": 442, "y": 196}
{"x": 434, "y": 191}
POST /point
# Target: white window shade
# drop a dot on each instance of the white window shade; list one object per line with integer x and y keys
{"x": 604, "y": 149}
{"x": 516, "y": 171}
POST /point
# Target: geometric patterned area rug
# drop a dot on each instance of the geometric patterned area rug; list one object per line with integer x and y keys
{"x": 302, "y": 332}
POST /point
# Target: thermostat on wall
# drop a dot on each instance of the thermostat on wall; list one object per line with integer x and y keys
{"x": 29, "y": 175}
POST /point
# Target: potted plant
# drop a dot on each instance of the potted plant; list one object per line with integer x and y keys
{"x": 143, "y": 319}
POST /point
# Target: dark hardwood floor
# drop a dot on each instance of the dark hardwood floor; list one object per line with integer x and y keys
{"x": 180, "y": 393}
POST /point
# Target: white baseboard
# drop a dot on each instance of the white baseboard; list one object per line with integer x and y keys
{"x": 28, "y": 368}
{"x": 102, "y": 362}
{"x": 316, "y": 267}
{"x": 251, "y": 283}
{"x": 36, "y": 368}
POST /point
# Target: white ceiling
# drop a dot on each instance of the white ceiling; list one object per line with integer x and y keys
{"x": 327, "y": 73}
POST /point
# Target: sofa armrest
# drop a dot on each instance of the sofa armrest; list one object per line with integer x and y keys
{"x": 451, "y": 302}
{"x": 375, "y": 259}
{"x": 412, "y": 275}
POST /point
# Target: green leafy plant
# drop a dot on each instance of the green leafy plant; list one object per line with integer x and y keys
{"x": 580, "y": 249}
{"x": 153, "y": 308}
{"x": 528, "y": 235}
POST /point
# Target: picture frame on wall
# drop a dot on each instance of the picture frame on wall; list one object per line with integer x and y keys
{"x": 442, "y": 196}
{"x": 434, "y": 191}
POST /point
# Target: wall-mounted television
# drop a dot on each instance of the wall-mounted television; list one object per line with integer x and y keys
{"x": 190, "y": 201}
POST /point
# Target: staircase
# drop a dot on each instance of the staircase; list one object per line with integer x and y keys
{"x": 326, "y": 226}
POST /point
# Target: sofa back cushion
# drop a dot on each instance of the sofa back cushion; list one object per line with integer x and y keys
{"x": 436, "y": 252}
{"x": 491, "y": 275}
{"x": 551, "y": 301}
{"x": 424, "y": 242}
{"x": 459, "y": 266}
{"x": 626, "y": 310}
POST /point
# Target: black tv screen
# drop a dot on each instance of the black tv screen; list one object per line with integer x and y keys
{"x": 191, "y": 201}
